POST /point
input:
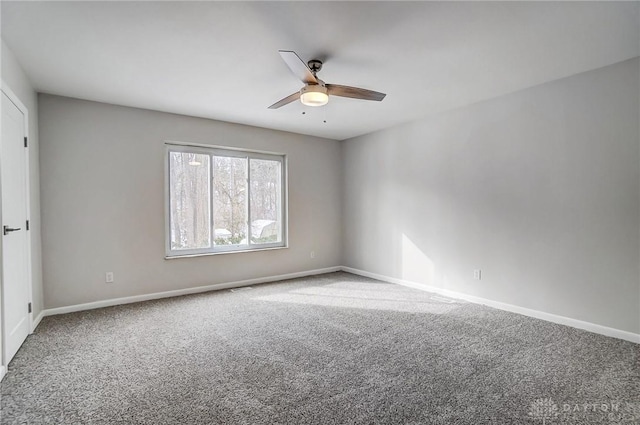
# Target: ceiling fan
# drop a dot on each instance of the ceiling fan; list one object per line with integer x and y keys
{"x": 315, "y": 91}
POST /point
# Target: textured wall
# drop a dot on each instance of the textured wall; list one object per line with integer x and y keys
{"x": 102, "y": 170}
{"x": 540, "y": 189}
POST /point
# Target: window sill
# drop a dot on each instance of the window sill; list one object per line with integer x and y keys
{"x": 207, "y": 254}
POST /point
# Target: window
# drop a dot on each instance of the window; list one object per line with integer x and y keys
{"x": 224, "y": 200}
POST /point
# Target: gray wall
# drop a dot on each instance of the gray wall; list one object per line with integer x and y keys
{"x": 16, "y": 79}
{"x": 102, "y": 176}
{"x": 540, "y": 189}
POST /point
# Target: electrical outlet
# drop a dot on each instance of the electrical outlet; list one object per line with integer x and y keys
{"x": 108, "y": 277}
{"x": 312, "y": 254}
{"x": 477, "y": 274}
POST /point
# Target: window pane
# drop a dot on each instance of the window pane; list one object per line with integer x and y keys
{"x": 266, "y": 201}
{"x": 189, "y": 200}
{"x": 230, "y": 200}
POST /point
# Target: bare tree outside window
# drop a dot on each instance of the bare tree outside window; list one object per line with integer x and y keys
{"x": 189, "y": 199}
{"x": 230, "y": 200}
{"x": 265, "y": 201}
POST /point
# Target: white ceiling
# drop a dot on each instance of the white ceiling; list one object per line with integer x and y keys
{"x": 220, "y": 59}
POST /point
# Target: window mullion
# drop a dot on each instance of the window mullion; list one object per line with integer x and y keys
{"x": 248, "y": 206}
{"x": 212, "y": 232}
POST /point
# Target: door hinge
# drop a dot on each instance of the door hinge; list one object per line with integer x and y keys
{"x": 27, "y": 224}
{"x": 25, "y": 142}
{"x": 29, "y": 307}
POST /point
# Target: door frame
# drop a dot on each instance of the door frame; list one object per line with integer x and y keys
{"x": 4, "y": 88}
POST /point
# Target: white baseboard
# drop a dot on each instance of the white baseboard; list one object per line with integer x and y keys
{"x": 3, "y": 371}
{"x": 587, "y": 326}
{"x": 37, "y": 321}
{"x": 187, "y": 291}
{"x": 575, "y": 323}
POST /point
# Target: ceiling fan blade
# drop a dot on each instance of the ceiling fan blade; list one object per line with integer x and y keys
{"x": 291, "y": 98}
{"x": 298, "y": 67}
{"x": 354, "y": 92}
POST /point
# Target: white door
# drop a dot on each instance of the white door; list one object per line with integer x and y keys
{"x": 15, "y": 259}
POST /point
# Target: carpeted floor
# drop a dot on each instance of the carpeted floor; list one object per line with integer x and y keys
{"x": 329, "y": 349}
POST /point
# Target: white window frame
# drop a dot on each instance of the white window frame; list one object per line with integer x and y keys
{"x": 173, "y": 146}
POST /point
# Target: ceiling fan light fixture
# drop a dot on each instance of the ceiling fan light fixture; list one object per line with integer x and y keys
{"x": 314, "y": 95}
